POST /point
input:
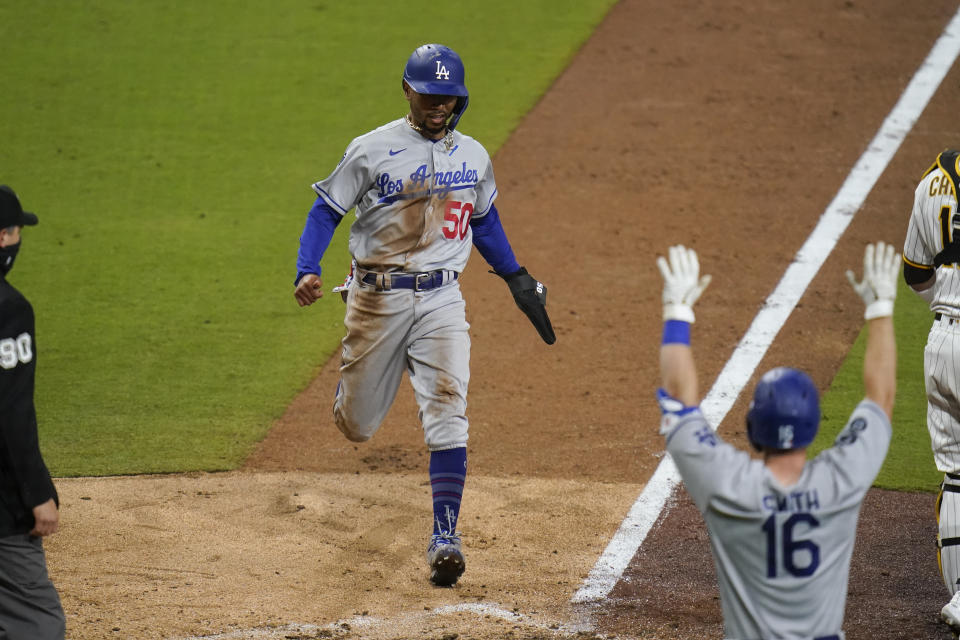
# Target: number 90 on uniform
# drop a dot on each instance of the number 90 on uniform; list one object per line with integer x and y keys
{"x": 14, "y": 351}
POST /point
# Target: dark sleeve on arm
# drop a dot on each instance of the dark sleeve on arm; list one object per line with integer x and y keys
{"x": 321, "y": 222}
{"x": 19, "y": 442}
{"x": 916, "y": 274}
{"x": 491, "y": 241}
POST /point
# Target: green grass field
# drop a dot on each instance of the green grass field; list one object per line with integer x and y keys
{"x": 168, "y": 149}
{"x": 909, "y": 464}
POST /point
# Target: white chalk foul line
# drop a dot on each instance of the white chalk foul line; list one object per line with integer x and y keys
{"x": 779, "y": 305}
{"x": 265, "y": 633}
{"x": 370, "y": 623}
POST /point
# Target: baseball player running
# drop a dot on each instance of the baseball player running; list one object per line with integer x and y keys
{"x": 781, "y": 528}
{"x": 424, "y": 194}
{"x": 931, "y": 253}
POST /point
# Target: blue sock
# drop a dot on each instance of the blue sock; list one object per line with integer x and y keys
{"x": 448, "y": 470}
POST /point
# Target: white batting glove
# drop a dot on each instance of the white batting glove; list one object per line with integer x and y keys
{"x": 344, "y": 288}
{"x": 682, "y": 284}
{"x": 881, "y": 270}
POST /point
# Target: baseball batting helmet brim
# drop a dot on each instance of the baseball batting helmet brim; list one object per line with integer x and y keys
{"x": 437, "y": 88}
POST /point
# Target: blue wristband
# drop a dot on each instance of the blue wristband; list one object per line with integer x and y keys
{"x": 676, "y": 332}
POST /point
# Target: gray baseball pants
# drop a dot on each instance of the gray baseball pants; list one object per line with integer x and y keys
{"x": 30, "y": 607}
{"x": 423, "y": 333}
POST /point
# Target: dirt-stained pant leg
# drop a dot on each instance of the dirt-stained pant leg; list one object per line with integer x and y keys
{"x": 374, "y": 358}
{"x": 439, "y": 361}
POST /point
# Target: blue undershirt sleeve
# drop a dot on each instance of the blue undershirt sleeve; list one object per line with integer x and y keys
{"x": 321, "y": 222}
{"x": 491, "y": 241}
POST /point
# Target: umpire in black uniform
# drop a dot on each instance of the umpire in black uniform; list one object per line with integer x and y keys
{"x": 29, "y": 604}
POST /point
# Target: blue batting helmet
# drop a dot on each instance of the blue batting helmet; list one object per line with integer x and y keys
{"x": 785, "y": 412}
{"x": 434, "y": 69}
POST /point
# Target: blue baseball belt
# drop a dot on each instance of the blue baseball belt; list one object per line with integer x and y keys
{"x": 423, "y": 281}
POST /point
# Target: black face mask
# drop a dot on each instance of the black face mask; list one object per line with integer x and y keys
{"x": 7, "y": 256}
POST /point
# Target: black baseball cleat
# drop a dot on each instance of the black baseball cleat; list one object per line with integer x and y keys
{"x": 445, "y": 560}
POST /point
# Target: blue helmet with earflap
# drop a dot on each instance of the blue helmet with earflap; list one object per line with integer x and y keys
{"x": 785, "y": 412}
{"x": 434, "y": 69}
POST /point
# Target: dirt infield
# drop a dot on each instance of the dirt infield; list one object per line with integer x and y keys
{"x": 725, "y": 126}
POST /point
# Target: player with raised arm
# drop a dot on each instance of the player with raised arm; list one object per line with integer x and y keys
{"x": 424, "y": 196}
{"x": 781, "y": 527}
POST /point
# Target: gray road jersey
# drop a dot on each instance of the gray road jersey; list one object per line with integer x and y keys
{"x": 782, "y": 554}
{"x": 414, "y": 198}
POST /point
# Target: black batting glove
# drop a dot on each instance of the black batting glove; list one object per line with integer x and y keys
{"x": 531, "y": 297}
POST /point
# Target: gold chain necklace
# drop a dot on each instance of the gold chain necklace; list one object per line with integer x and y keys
{"x": 413, "y": 125}
{"x": 447, "y": 137}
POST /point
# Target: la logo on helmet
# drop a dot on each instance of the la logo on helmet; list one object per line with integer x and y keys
{"x": 786, "y": 436}
{"x": 442, "y": 73}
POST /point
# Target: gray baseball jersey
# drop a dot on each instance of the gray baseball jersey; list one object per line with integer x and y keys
{"x": 414, "y": 197}
{"x": 782, "y": 554}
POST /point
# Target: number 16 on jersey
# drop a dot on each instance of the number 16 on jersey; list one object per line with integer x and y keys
{"x": 787, "y": 550}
